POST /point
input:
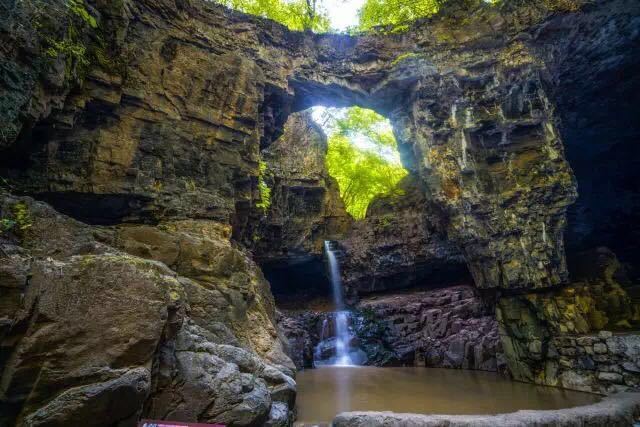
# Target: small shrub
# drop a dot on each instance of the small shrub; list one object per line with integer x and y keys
{"x": 78, "y": 8}
{"x": 18, "y": 221}
{"x": 22, "y": 216}
{"x": 190, "y": 185}
{"x": 72, "y": 45}
{"x": 263, "y": 188}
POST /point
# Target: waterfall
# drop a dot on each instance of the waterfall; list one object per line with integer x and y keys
{"x": 345, "y": 353}
{"x": 463, "y": 143}
{"x": 468, "y": 120}
{"x": 336, "y": 281}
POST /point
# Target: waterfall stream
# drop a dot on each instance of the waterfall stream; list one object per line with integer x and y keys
{"x": 340, "y": 345}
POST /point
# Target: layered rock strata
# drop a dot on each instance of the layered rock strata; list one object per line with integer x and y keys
{"x": 448, "y": 328}
{"x": 176, "y": 131}
{"x": 305, "y": 207}
{"x": 396, "y": 246}
{"x": 551, "y": 337}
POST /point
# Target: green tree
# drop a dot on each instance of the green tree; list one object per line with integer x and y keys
{"x": 363, "y": 173}
{"x": 297, "y": 15}
{"x": 397, "y": 14}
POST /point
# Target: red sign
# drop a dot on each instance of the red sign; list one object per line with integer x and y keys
{"x": 157, "y": 423}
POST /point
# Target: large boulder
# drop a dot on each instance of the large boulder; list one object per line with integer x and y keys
{"x": 88, "y": 328}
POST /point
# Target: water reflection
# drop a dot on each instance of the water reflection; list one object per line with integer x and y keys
{"x": 327, "y": 391}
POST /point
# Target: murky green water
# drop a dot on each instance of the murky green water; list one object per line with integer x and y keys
{"x": 327, "y": 391}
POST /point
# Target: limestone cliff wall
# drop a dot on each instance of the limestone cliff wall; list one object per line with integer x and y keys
{"x": 176, "y": 132}
{"x": 305, "y": 207}
{"x": 397, "y": 246}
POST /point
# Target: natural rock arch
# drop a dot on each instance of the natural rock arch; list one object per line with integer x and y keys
{"x": 475, "y": 125}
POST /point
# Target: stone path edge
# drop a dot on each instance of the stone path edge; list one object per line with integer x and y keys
{"x": 615, "y": 410}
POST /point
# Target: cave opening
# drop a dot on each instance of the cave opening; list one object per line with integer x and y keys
{"x": 362, "y": 156}
{"x": 336, "y": 174}
{"x": 161, "y": 127}
{"x": 299, "y": 284}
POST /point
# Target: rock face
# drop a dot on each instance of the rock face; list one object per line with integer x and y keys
{"x": 447, "y": 328}
{"x": 178, "y": 133}
{"x": 596, "y": 62}
{"x": 305, "y": 205}
{"x": 550, "y": 338}
{"x": 396, "y": 246}
{"x": 186, "y": 330}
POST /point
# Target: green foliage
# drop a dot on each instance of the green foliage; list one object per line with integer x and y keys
{"x": 190, "y": 185}
{"x": 405, "y": 56}
{"x": 363, "y": 173}
{"x": 19, "y": 220}
{"x": 297, "y": 15}
{"x": 22, "y": 215}
{"x": 395, "y": 14}
{"x": 263, "y": 188}
{"x": 78, "y": 8}
{"x": 71, "y": 46}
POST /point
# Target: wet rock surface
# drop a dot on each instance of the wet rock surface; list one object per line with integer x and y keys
{"x": 302, "y": 332}
{"x": 447, "y": 328}
{"x": 619, "y": 410}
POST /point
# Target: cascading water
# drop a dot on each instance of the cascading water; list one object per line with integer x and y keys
{"x": 336, "y": 281}
{"x": 345, "y": 354}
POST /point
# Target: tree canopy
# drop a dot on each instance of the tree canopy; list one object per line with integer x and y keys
{"x": 297, "y": 15}
{"x": 397, "y": 14}
{"x": 362, "y": 156}
{"x": 312, "y": 14}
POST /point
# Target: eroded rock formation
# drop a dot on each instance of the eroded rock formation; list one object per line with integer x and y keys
{"x": 178, "y": 324}
{"x": 448, "y": 328}
{"x": 396, "y": 246}
{"x": 305, "y": 206}
{"x": 178, "y": 134}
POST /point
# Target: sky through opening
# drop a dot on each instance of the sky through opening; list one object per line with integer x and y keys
{"x": 343, "y": 14}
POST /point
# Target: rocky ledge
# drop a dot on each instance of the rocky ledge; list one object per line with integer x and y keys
{"x": 447, "y": 328}
{"x": 618, "y": 410}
